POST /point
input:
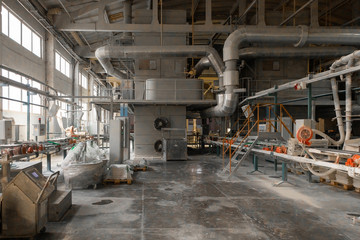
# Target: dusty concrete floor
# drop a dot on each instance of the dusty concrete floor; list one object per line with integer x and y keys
{"x": 188, "y": 200}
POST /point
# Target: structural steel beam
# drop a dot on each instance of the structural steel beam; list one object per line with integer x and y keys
{"x": 296, "y": 13}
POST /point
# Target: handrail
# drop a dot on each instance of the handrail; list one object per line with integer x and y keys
{"x": 248, "y": 121}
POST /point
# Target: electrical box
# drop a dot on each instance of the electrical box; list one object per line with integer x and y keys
{"x": 39, "y": 130}
{"x": 5, "y": 129}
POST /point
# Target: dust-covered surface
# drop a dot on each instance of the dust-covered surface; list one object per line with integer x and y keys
{"x": 188, "y": 200}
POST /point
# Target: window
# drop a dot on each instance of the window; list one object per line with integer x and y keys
{"x": 95, "y": 89}
{"x": 19, "y": 94}
{"x": 20, "y": 32}
{"x": 62, "y": 65}
{"x": 83, "y": 81}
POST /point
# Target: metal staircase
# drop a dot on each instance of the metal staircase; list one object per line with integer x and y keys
{"x": 252, "y": 140}
{"x": 245, "y": 148}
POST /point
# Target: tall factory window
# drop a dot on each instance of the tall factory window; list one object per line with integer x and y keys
{"x": 83, "y": 80}
{"x": 16, "y": 29}
{"x": 19, "y": 94}
{"x": 95, "y": 89}
{"x": 62, "y": 65}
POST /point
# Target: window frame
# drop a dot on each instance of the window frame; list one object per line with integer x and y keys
{"x": 59, "y": 61}
{"x": 23, "y": 94}
{"x": 10, "y": 12}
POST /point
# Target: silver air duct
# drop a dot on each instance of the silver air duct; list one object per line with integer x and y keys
{"x": 288, "y": 52}
{"x": 298, "y": 36}
{"x": 105, "y": 53}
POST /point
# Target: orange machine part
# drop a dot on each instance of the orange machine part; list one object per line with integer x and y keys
{"x": 354, "y": 161}
{"x": 304, "y": 134}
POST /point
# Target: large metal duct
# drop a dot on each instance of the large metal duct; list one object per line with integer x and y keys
{"x": 288, "y": 52}
{"x": 105, "y": 53}
{"x": 298, "y": 36}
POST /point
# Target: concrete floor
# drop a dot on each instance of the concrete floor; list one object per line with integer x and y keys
{"x": 188, "y": 200}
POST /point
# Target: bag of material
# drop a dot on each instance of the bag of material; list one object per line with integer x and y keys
{"x": 119, "y": 171}
{"x": 84, "y": 166}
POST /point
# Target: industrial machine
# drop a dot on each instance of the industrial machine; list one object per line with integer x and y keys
{"x": 24, "y": 209}
{"x": 174, "y": 144}
{"x": 5, "y": 129}
{"x": 119, "y": 140}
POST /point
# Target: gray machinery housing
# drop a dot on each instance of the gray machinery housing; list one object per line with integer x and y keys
{"x": 25, "y": 204}
{"x": 119, "y": 140}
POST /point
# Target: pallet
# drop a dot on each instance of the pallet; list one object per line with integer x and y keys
{"x": 344, "y": 186}
{"x": 137, "y": 169}
{"x": 297, "y": 172}
{"x": 357, "y": 190}
{"x": 117, "y": 181}
{"x": 323, "y": 180}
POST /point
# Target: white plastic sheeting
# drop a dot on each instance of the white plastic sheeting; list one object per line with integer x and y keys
{"x": 84, "y": 166}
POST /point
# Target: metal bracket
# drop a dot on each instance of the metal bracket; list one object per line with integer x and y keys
{"x": 304, "y": 36}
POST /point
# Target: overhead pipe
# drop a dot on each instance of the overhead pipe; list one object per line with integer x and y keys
{"x": 205, "y": 63}
{"x": 105, "y": 53}
{"x": 282, "y": 52}
{"x": 298, "y": 36}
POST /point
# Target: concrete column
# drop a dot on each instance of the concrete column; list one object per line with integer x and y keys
{"x": 314, "y": 13}
{"x": 261, "y": 13}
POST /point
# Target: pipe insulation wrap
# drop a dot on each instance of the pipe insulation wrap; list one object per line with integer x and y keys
{"x": 287, "y": 35}
{"x": 348, "y": 106}
{"x": 338, "y": 117}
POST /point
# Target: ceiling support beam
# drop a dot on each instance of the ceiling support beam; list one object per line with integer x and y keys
{"x": 261, "y": 13}
{"x": 314, "y": 14}
{"x": 67, "y": 26}
{"x": 334, "y": 5}
{"x": 296, "y": 13}
{"x": 208, "y": 17}
{"x": 281, "y": 4}
{"x": 243, "y": 15}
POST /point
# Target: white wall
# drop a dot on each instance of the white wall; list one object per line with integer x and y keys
{"x": 19, "y": 58}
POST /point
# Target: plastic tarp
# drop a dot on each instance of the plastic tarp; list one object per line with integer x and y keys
{"x": 84, "y": 166}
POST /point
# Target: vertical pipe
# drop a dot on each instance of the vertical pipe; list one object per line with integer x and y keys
{"x": 309, "y": 102}
{"x": 258, "y": 118}
{"x": 28, "y": 117}
{"x": 275, "y": 109}
{"x": 348, "y": 106}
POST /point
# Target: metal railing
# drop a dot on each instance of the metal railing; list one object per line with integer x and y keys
{"x": 251, "y": 123}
